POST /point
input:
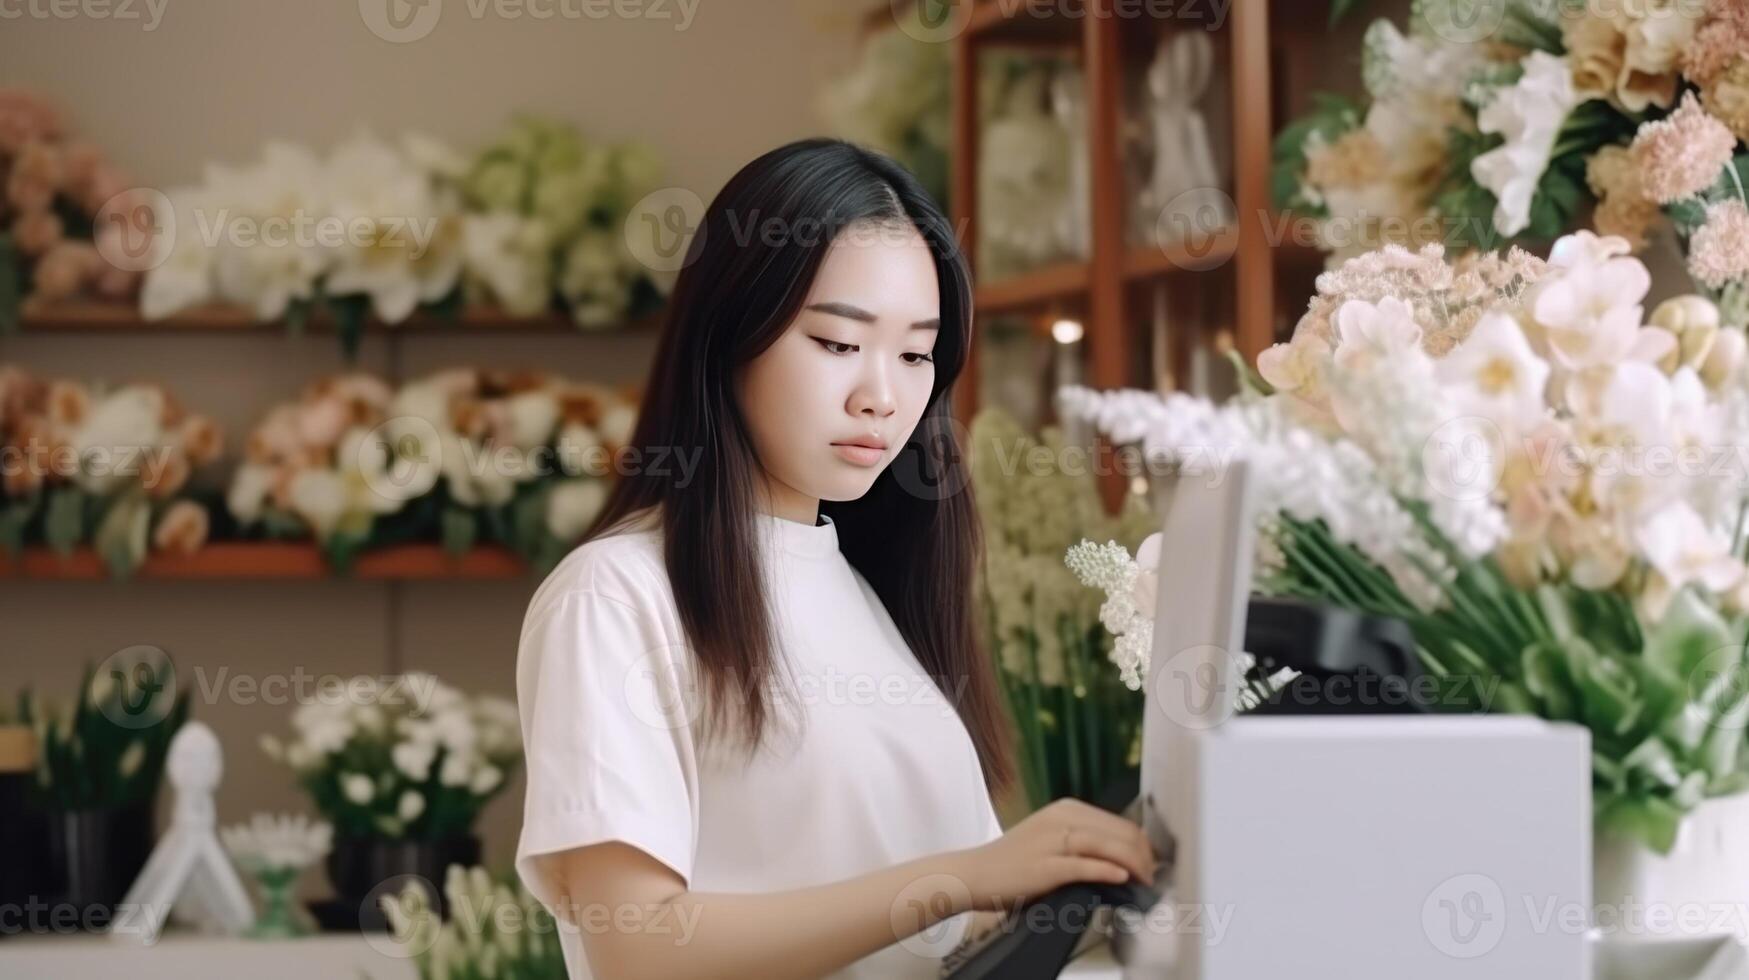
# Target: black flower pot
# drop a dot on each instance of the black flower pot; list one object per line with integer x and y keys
{"x": 365, "y": 869}
{"x": 93, "y": 857}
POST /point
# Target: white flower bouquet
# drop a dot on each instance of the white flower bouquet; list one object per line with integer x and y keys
{"x": 411, "y": 758}
{"x": 1546, "y": 485}
{"x": 496, "y": 929}
{"x": 109, "y": 466}
{"x": 372, "y": 227}
{"x": 1489, "y": 121}
{"x": 1079, "y": 726}
{"x": 520, "y": 459}
{"x": 549, "y": 215}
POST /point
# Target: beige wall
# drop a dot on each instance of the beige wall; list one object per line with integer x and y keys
{"x": 213, "y": 81}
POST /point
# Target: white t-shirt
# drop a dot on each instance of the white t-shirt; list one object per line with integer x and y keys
{"x": 885, "y": 771}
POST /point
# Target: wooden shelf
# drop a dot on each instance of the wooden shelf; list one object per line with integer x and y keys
{"x": 1067, "y": 282}
{"x": 97, "y": 317}
{"x": 1059, "y": 282}
{"x": 275, "y": 560}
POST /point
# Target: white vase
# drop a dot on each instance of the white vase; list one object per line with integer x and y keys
{"x": 1701, "y": 888}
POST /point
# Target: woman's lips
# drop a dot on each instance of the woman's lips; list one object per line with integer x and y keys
{"x": 858, "y": 455}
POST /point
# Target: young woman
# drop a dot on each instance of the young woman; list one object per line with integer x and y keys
{"x": 761, "y": 731}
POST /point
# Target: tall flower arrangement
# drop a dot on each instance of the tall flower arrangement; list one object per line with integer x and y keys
{"x": 463, "y": 455}
{"x": 108, "y": 466}
{"x": 1078, "y": 723}
{"x": 1487, "y": 122}
{"x": 1543, "y": 481}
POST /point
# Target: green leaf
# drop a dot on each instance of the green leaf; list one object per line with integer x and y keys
{"x": 15, "y": 516}
{"x": 1649, "y": 820}
{"x": 122, "y": 534}
{"x": 11, "y": 284}
{"x": 349, "y": 314}
{"x": 1342, "y": 8}
{"x": 460, "y": 528}
{"x": 64, "y": 520}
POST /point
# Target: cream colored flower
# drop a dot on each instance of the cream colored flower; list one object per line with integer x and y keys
{"x": 1683, "y": 154}
{"x": 183, "y": 528}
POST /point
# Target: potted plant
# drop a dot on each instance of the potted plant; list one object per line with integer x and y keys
{"x": 99, "y": 763}
{"x": 401, "y": 769}
{"x": 19, "y": 825}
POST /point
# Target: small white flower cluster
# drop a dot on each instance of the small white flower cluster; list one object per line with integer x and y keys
{"x": 270, "y": 842}
{"x": 493, "y": 931}
{"x": 1108, "y": 567}
{"x": 1131, "y": 587}
{"x": 382, "y": 752}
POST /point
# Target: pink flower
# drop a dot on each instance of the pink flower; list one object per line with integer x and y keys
{"x": 36, "y": 232}
{"x": 1683, "y": 154}
{"x": 64, "y": 271}
{"x": 25, "y": 118}
{"x": 1719, "y": 252}
{"x": 105, "y": 182}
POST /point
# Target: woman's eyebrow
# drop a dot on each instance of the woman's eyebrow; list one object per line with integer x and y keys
{"x": 858, "y": 313}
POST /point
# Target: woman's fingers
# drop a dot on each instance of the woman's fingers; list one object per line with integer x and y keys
{"x": 1120, "y": 850}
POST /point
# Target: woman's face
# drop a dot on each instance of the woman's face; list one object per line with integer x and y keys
{"x": 854, "y": 367}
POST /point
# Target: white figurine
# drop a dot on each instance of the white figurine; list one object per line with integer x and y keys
{"x": 188, "y": 870}
{"x": 1185, "y": 178}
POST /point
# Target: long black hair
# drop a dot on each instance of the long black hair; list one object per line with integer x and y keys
{"x": 914, "y": 535}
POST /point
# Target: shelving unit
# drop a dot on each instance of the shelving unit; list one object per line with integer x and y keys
{"x": 287, "y": 560}
{"x": 273, "y": 560}
{"x": 90, "y": 316}
{"x": 1238, "y": 272}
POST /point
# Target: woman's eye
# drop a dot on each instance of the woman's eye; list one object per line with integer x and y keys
{"x": 834, "y": 347}
{"x": 919, "y": 358}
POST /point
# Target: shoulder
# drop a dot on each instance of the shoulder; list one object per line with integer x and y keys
{"x": 625, "y": 568}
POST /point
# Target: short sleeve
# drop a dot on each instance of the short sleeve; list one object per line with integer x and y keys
{"x": 608, "y": 747}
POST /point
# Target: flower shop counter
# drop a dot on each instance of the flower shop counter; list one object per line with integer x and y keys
{"x": 187, "y": 956}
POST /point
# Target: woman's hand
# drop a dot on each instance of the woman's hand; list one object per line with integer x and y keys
{"x": 1066, "y": 841}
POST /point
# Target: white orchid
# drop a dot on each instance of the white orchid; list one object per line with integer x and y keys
{"x": 1370, "y": 333}
{"x": 1497, "y": 373}
{"x": 1529, "y": 115}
